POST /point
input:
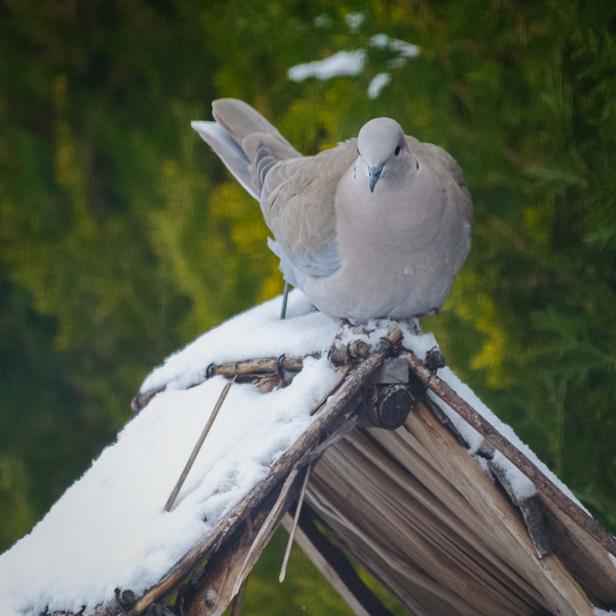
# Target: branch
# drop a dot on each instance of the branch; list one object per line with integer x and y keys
{"x": 247, "y": 370}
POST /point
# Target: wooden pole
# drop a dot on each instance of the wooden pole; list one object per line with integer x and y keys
{"x": 544, "y": 484}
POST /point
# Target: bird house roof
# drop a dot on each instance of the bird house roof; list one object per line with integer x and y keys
{"x": 435, "y": 507}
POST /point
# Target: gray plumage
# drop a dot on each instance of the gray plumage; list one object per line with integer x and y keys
{"x": 377, "y": 226}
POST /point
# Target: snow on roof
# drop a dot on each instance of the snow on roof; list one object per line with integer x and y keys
{"x": 258, "y": 332}
{"x": 109, "y": 529}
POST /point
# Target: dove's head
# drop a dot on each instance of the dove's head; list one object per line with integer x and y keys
{"x": 382, "y": 149}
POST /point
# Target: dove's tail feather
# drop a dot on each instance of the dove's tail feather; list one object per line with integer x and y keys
{"x": 229, "y": 151}
{"x": 238, "y": 124}
{"x": 240, "y": 119}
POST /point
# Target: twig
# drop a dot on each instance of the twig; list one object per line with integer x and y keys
{"x": 257, "y": 369}
{"x": 197, "y": 447}
{"x": 285, "y": 298}
{"x": 544, "y": 485}
{"x": 298, "y": 508}
{"x": 253, "y": 368}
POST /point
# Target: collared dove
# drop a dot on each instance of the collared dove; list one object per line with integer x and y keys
{"x": 377, "y": 226}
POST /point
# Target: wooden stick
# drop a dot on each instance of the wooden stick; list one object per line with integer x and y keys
{"x": 258, "y": 367}
{"x": 248, "y": 369}
{"x": 544, "y": 484}
{"x": 298, "y": 508}
{"x": 197, "y": 447}
{"x": 141, "y": 400}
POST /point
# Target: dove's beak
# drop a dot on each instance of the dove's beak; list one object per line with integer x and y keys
{"x": 374, "y": 173}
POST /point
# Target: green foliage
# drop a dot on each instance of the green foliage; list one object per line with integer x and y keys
{"x": 122, "y": 237}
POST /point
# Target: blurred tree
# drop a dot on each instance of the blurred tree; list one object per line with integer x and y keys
{"x": 122, "y": 237}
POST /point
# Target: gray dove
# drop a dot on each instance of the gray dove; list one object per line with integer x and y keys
{"x": 377, "y": 226}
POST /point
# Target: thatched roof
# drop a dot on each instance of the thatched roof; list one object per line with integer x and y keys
{"x": 419, "y": 512}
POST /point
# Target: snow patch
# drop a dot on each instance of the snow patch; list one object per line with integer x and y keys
{"x": 255, "y": 333}
{"x": 343, "y": 63}
{"x": 402, "y": 48}
{"x": 377, "y": 84}
{"x": 352, "y": 63}
{"x": 521, "y": 485}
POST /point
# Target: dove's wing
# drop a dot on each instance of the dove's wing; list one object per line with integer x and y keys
{"x": 447, "y": 169}
{"x": 297, "y": 194}
{"x": 298, "y": 200}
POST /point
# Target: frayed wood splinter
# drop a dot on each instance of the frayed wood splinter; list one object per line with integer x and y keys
{"x": 238, "y": 600}
{"x": 267, "y": 530}
{"x": 298, "y": 509}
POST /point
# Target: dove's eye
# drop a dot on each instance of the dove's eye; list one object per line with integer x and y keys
{"x": 397, "y": 150}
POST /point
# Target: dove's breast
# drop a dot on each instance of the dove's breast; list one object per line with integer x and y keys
{"x": 400, "y": 248}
